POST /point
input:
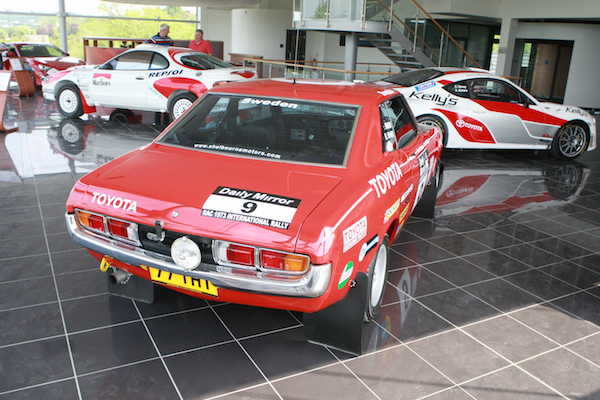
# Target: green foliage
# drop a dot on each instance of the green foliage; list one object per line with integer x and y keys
{"x": 321, "y": 10}
{"x": 122, "y": 23}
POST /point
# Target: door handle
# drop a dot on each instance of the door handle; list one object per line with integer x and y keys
{"x": 139, "y": 78}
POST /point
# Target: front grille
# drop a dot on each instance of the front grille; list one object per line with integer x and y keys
{"x": 148, "y": 239}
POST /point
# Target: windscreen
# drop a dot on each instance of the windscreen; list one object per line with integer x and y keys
{"x": 201, "y": 61}
{"x": 270, "y": 128}
{"x": 40, "y": 50}
{"x": 414, "y": 77}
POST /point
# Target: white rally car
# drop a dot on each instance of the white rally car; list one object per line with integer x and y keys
{"x": 478, "y": 110}
{"x": 149, "y": 77}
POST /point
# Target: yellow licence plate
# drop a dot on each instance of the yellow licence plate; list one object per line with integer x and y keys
{"x": 183, "y": 282}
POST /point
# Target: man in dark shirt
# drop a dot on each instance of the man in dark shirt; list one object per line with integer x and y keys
{"x": 162, "y": 37}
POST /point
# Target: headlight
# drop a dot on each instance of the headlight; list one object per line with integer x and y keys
{"x": 186, "y": 253}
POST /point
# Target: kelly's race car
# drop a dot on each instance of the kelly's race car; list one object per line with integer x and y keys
{"x": 148, "y": 77}
{"x": 475, "y": 109}
{"x": 272, "y": 193}
{"x": 41, "y": 59}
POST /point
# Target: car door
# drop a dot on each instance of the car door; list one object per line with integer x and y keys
{"x": 122, "y": 81}
{"x": 405, "y": 167}
{"x": 502, "y": 111}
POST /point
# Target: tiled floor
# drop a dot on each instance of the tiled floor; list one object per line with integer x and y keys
{"x": 497, "y": 297}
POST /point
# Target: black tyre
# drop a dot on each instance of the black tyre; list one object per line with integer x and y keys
{"x": 120, "y": 115}
{"x": 70, "y": 136}
{"x": 68, "y": 101}
{"x": 570, "y": 142}
{"x": 376, "y": 279}
{"x": 180, "y": 103}
{"x": 433, "y": 120}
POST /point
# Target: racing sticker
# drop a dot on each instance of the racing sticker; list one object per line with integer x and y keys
{"x": 355, "y": 233}
{"x": 346, "y": 274}
{"x": 252, "y": 207}
{"x": 101, "y": 79}
{"x": 367, "y": 247}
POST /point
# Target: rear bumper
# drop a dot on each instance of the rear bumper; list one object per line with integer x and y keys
{"x": 313, "y": 284}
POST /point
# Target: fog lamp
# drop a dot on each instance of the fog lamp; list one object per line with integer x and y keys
{"x": 186, "y": 253}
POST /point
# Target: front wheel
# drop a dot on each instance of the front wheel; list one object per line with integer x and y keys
{"x": 570, "y": 142}
{"x": 432, "y": 120}
{"x": 181, "y": 103}
{"x": 376, "y": 279}
{"x": 68, "y": 101}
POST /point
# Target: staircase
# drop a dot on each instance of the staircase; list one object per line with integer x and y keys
{"x": 382, "y": 23}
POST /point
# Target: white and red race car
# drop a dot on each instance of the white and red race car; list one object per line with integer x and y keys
{"x": 149, "y": 78}
{"x": 478, "y": 110}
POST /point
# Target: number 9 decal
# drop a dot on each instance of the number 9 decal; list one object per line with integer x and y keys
{"x": 249, "y": 207}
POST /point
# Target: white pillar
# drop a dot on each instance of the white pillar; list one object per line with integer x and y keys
{"x": 506, "y": 50}
{"x": 62, "y": 24}
{"x": 350, "y": 55}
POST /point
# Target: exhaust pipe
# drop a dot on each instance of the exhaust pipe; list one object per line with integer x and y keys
{"x": 118, "y": 277}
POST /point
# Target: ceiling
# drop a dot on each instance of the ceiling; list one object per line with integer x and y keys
{"x": 224, "y": 4}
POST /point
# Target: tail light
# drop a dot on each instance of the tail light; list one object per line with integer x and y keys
{"x": 91, "y": 221}
{"x": 237, "y": 255}
{"x": 244, "y": 74}
{"x": 220, "y": 83}
{"x": 114, "y": 228}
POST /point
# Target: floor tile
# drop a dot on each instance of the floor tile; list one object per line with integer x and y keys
{"x": 186, "y": 331}
{"x": 317, "y": 385}
{"x": 97, "y": 311}
{"x": 34, "y": 363}
{"x": 27, "y": 292}
{"x": 509, "y": 383}
{"x": 30, "y": 323}
{"x": 555, "y": 323}
{"x": 510, "y": 338}
{"x": 225, "y": 368}
{"x": 244, "y": 321}
{"x": 146, "y": 380}
{"x": 386, "y": 371}
{"x": 64, "y": 390}
{"x": 457, "y": 356}
{"x": 567, "y": 373}
{"x": 459, "y": 307}
{"x": 111, "y": 347}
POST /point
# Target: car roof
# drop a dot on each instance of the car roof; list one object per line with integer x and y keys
{"x": 327, "y": 90}
{"x": 417, "y": 76}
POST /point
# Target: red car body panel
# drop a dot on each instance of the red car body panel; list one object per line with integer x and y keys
{"x": 167, "y": 86}
{"x": 341, "y": 208}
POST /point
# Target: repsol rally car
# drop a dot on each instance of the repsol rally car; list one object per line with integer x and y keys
{"x": 272, "y": 193}
{"x": 148, "y": 77}
{"x": 475, "y": 109}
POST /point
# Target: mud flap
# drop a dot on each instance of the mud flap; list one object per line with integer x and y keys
{"x": 136, "y": 288}
{"x": 340, "y": 325}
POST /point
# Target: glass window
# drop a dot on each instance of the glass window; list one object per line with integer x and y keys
{"x": 460, "y": 89}
{"x": 159, "y": 62}
{"x": 414, "y": 77}
{"x": 492, "y": 90}
{"x": 201, "y": 61}
{"x": 133, "y": 61}
{"x": 271, "y": 128}
{"x": 396, "y": 124}
{"x": 40, "y": 50}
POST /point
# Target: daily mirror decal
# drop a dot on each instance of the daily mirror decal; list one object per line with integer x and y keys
{"x": 252, "y": 207}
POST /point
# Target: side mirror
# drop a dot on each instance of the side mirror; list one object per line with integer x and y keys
{"x": 10, "y": 54}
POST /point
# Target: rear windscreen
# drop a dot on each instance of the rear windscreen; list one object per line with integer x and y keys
{"x": 271, "y": 128}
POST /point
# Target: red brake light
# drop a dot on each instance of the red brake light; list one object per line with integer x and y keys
{"x": 118, "y": 228}
{"x": 283, "y": 261}
{"x": 92, "y": 221}
{"x": 243, "y": 255}
{"x": 245, "y": 74}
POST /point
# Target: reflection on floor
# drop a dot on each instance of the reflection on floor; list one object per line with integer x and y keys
{"x": 496, "y": 297}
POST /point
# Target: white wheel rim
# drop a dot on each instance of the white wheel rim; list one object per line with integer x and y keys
{"x": 68, "y": 101}
{"x": 378, "y": 281}
{"x": 180, "y": 107}
{"x": 70, "y": 133}
{"x": 572, "y": 140}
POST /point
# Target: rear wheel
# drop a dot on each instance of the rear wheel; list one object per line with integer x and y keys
{"x": 68, "y": 101}
{"x": 570, "y": 141}
{"x": 181, "y": 103}
{"x": 433, "y": 120}
{"x": 376, "y": 279}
